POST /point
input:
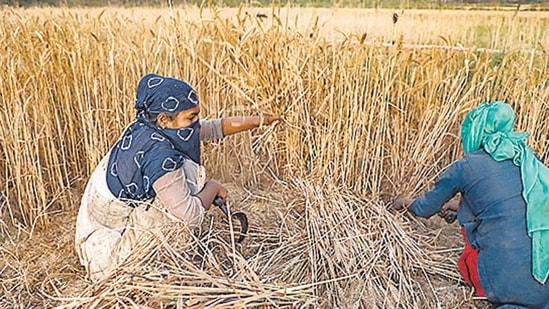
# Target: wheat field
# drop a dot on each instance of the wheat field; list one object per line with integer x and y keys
{"x": 372, "y": 105}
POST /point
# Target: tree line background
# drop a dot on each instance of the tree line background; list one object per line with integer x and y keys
{"x": 538, "y": 4}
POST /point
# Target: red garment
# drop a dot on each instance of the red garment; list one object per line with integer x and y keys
{"x": 467, "y": 264}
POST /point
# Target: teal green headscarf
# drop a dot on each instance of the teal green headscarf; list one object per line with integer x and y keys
{"x": 490, "y": 126}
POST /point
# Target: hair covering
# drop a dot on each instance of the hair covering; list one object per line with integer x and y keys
{"x": 490, "y": 126}
{"x": 158, "y": 94}
{"x": 145, "y": 151}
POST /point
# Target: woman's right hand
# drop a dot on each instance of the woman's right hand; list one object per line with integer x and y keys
{"x": 211, "y": 189}
{"x": 267, "y": 120}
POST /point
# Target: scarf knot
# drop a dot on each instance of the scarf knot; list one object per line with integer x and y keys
{"x": 506, "y": 145}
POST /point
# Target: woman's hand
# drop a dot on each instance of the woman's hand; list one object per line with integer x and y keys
{"x": 211, "y": 189}
{"x": 268, "y": 120}
{"x": 232, "y": 125}
{"x": 401, "y": 203}
{"x": 451, "y": 205}
{"x": 448, "y": 212}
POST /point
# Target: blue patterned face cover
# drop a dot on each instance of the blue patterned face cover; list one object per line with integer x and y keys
{"x": 145, "y": 151}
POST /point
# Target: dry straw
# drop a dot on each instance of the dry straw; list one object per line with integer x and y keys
{"x": 365, "y": 122}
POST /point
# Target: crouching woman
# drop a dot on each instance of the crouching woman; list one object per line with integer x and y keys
{"x": 152, "y": 175}
{"x": 504, "y": 210}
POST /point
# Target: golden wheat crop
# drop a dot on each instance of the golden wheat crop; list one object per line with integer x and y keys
{"x": 370, "y": 114}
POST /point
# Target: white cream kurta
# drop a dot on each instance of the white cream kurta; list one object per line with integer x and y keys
{"x": 107, "y": 229}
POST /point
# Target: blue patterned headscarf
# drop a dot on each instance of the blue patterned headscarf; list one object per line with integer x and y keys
{"x": 145, "y": 151}
{"x": 490, "y": 126}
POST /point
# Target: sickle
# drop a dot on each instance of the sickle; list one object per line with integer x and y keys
{"x": 238, "y": 214}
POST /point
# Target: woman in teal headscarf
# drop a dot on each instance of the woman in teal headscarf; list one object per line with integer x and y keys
{"x": 504, "y": 210}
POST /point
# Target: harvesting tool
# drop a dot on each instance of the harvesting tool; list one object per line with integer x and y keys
{"x": 242, "y": 218}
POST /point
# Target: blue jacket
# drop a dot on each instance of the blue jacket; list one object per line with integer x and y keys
{"x": 493, "y": 214}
